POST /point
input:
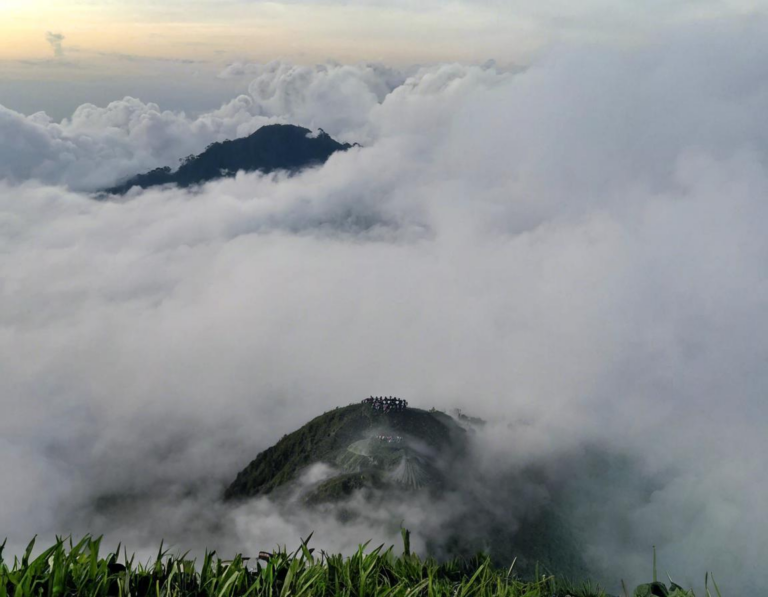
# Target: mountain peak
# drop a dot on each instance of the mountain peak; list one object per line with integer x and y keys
{"x": 381, "y": 450}
{"x": 387, "y": 444}
{"x": 270, "y": 148}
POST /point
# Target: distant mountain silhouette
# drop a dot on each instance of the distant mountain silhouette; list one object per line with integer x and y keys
{"x": 272, "y": 147}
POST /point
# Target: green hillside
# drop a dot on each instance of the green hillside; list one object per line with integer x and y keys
{"x": 405, "y": 448}
{"x": 405, "y": 454}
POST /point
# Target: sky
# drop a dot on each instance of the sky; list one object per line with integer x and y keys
{"x": 568, "y": 242}
{"x": 58, "y": 54}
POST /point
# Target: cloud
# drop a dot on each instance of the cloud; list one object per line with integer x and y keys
{"x": 240, "y": 69}
{"x": 56, "y": 41}
{"x": 575, "y": 252}
{"x": 99, "y": 146}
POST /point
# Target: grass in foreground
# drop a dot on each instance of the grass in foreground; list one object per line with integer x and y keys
{"x": 69, "y": 569}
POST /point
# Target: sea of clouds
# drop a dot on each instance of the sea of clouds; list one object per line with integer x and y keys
{"x": 575, "y": 252}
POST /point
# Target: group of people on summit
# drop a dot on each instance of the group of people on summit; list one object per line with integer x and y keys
{"x": 386, "y": 403}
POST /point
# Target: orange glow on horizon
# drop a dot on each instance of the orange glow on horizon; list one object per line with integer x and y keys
{"x": 212, "y": 32}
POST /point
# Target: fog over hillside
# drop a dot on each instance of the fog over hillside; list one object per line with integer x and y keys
{"x": 575, "y": 252}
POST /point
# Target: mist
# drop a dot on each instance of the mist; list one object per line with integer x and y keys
{"x": 574, "y": 252}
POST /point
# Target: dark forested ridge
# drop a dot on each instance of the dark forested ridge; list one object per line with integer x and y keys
{"x": 272, "y": 147}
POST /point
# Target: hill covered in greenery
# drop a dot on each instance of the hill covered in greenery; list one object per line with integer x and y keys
{"x": 411, "y": 456}
{"x": 272, "y": 147}
{"x": 403, "y": 449}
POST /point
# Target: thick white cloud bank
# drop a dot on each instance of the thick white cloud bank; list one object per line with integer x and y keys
{"x": 579, "y": 246}
{"x": 97, "y": 147}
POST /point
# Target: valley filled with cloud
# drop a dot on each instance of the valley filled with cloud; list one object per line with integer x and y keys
{"x": 573, "y": 251}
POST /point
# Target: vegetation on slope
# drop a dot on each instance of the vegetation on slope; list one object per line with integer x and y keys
{"x": 69, "y": 570}
{"x": 423, "y": 460}
{"x": 327, "y": 439}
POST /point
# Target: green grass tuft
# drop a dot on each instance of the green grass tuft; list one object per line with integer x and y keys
{"x": 70, "y": 569}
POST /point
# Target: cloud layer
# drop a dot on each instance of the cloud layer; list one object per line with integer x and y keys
{"x": 97, "y": 147}
{"x": 576, "y": 250}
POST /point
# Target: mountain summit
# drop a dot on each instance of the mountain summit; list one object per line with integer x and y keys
{"x": 272, "y": 147}
{"x": 380, "y": 443}
{"x": 383, "y": 451}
